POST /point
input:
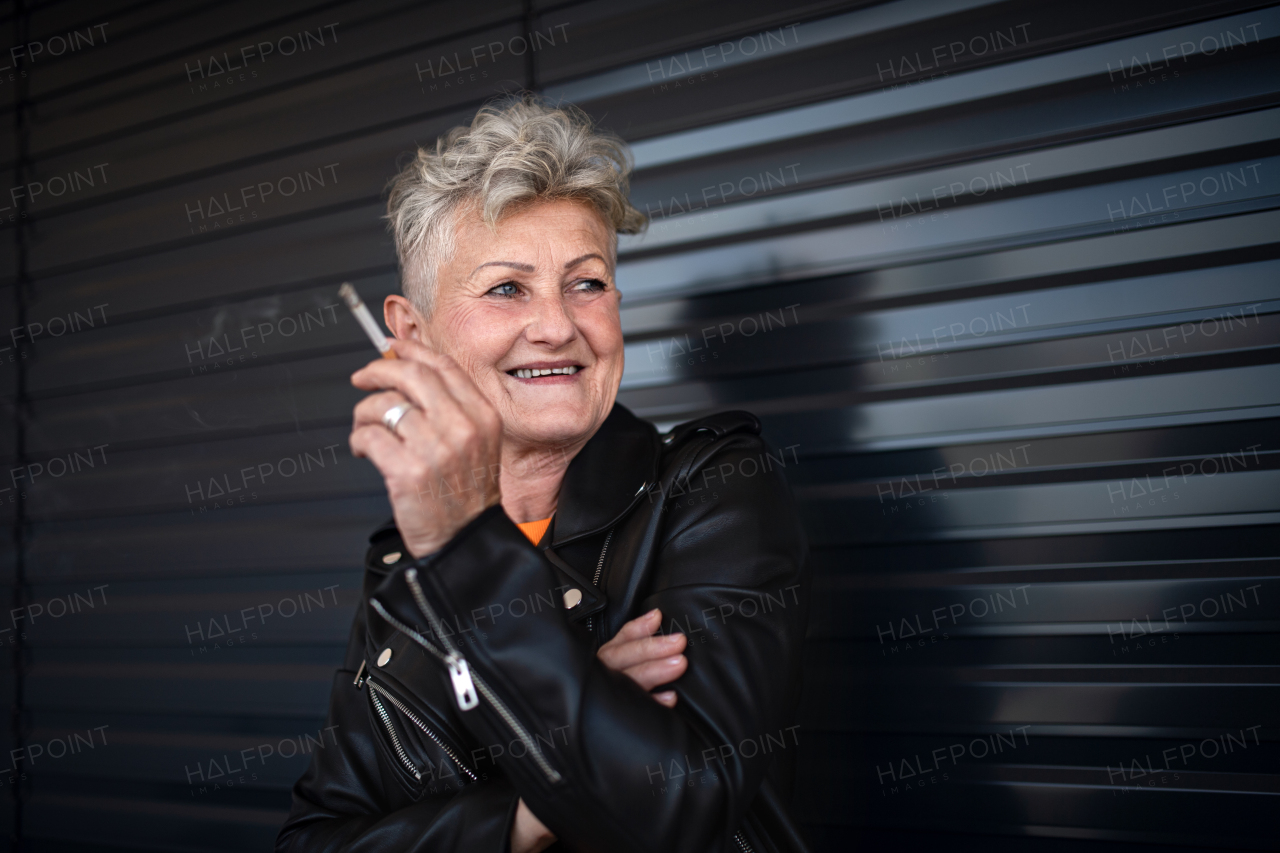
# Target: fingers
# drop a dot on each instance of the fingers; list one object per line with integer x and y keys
{"x": 528, "y": 834}
{"x": 438, "y": 419}
{"x": 449, "y": 371}
{"x": 418, "y": 383}
{"x": 413, "y": 428}
{"x": 653, "y": 673}
{"x": 647, "y": 659}
{"x": 370, "y": 410}
{"x": 634, "y": 652}
{"x": 397, "y": 464}
{"x": 639, "y": 627}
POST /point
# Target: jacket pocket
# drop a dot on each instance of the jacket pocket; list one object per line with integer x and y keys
{"x": 402, "y": 725}
{"x": 468, "y": 688}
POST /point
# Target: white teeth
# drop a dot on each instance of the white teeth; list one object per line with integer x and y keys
{"x": 530, "y": 373}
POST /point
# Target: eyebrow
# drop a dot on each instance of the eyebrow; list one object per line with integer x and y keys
{"x": 585, "y": 257}
{"x": 516, "y": 265}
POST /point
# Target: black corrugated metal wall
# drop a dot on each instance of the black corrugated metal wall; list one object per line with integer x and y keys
{"x": 1001, "y": 279}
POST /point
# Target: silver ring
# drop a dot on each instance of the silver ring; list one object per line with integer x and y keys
{"x": 391, "y": 418}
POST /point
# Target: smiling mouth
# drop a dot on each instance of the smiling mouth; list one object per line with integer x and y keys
{"x": 536, "y": 372}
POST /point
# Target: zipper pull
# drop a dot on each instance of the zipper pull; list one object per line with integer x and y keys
{"x": 463, "y": 686}
{"x": 359, "y": 682}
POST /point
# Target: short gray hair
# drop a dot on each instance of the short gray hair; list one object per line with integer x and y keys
{"x": 517, "y": 150}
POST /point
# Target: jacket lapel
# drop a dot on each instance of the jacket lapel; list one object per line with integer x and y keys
{"x": 607, "y": 476}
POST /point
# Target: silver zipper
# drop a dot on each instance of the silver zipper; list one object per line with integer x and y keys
{"x": 459, "y": 672}
{"x": 530, "y": 744}
{"x": 464, "y": 687}
{"x": 465, "y": 683}
{"x": 406, "y": 630}
{"x": 395, "y": 738}
{"x": 595, "y": 580}
{"x": 413, "y": 718}
{"x": 742, "y": 842}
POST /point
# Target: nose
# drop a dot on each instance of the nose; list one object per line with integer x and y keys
{"x": 551, "y": 325}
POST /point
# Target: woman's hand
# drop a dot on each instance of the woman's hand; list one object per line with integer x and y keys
{"x": 450, "y": 442}
{"x": 528, "y": 834}
{"x": 646, "y": 659}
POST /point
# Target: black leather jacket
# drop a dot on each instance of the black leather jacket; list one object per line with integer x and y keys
{"x": 469, "y": 682}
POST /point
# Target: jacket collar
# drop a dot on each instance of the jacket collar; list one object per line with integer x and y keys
{"x": 607, "y": 476}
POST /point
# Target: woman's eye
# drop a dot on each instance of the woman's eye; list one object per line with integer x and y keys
{"x": 505, "y": 289}
{"x": 590, "y": 285}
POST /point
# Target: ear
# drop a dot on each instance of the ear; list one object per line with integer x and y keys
{"x": 403, "y": 319}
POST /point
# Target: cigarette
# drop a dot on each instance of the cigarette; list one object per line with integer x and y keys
{"x": 365, "y": 319}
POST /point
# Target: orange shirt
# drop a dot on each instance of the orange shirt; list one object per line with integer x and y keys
{"x": 535, "y": 529}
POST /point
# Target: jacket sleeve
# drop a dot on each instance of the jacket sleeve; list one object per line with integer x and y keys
{"x": 598, "y": 761}
{"x": 342, "y": 802}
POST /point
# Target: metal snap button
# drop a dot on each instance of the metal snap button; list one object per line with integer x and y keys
{"x": 384, "y": 658}
{"x": 393, "y": 557}
{"x": 572, "y": 599}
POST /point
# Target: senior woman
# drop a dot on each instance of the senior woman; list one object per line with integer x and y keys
{"x": 576, "y": 631}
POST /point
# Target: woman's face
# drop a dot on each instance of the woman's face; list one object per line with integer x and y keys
{"x": 538, "y": 295}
